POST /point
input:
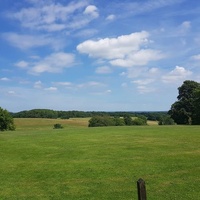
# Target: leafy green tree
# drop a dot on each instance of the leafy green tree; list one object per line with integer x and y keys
{"x": 166, "y": 120}
{"x": 196, "y": 112}
{"x": 182, "y": 110}
{"x": 119, "y": 121}
{"x": 140, "y": 121}
{"x": 6, "y": 121}
{"x": 101, "y": 121}
{"x": 128, "y": 120}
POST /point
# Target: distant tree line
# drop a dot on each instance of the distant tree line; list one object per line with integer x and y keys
{"x": 52, "y": 114}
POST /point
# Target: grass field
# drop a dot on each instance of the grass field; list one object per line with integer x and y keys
{"x": 77, "y": 162}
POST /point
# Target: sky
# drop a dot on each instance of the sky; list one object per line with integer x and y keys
{"x": 97, "y": 55}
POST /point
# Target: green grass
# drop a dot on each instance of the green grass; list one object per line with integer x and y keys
{"x": 39, "y": 162}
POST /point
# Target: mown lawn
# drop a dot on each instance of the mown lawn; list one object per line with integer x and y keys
{"x": 77, "y": 162}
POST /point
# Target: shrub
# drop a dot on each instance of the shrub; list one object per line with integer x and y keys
{"x": 58, "y": 126}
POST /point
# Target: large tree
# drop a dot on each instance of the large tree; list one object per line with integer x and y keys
{"x": 182, "y": 111}
{"x": 6, "y": 120}
{"x": 196, "y": 112}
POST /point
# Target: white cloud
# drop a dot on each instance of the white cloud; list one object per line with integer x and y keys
{"x": 145, "y": 89}
{"x": 134, "y": 8}
{"x": 92, "y": 11}
{"x": 176, "y": 75}
{"x": 63, "y": 83}
{"x": 51, "y": 89}
{"x": 91, "y": 84}
{"x": 183, "y": 28}
{"x": 86, "y": 33}
{"x": 22, "y": 64}
{"x": 123, "y": 51}
{"x": 4, "y": 79}
{"x": 32, "y": 41}
{"x": 103, "y": 70}
{"x": 144, "y": 85}
{"x": 53, "y": 17}
{"x": 113, "y": 48}
{"x": 143, "y": 81}
{"x": 102, "y": 92}
{"x": 196, "y": 57}
{"x": 54, "y": 63}
{"x": 111, "y": 17}
{"x": 11, "y": 92}
{"x": 38, "y": 85}
{"x": 186, "y": 25}
{"x": 141, "y": 57}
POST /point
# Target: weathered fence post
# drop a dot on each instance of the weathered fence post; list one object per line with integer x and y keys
{"x": 141, "y": 189}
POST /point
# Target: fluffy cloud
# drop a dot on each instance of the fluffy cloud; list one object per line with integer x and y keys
{"x": 124, "y": 51}
{"x": 176, "y": 75}
{"x": 112, "y": 48}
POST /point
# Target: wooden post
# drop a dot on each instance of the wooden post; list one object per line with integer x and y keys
{"x": 141, "y": 189}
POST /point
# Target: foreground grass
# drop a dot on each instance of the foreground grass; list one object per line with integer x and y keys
{"x": 99, "y": 163}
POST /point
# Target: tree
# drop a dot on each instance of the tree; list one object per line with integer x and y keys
{"x": 101, "y": 121}
{"x": 6, "y": 120}
{"x": 182, "y": 110}
{"x": 196, "y": 113}
{"x": 140, "y": 121}
{"x": 128, "y": 120}
{"x": 166, "y": 120}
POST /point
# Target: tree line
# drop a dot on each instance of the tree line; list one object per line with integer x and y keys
{"x": 52, "y": 114}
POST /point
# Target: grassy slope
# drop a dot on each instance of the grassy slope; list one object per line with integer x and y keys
{"x": 37, "y": 162}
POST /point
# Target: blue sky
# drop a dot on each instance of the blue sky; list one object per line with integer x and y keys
{"x": 91, "y": 55}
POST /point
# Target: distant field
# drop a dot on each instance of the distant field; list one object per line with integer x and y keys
{"x": 81, "y": 163}
{"x": 37, "y": 123}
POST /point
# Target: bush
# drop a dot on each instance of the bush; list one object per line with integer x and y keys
{"x": 58, "y": 126}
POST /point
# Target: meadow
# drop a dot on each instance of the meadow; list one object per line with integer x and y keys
{"x": 104, "y": 163}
